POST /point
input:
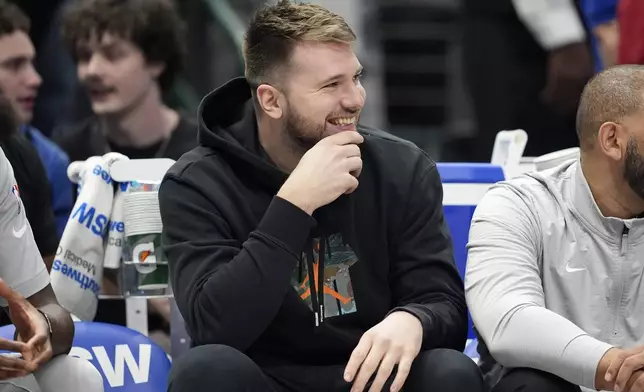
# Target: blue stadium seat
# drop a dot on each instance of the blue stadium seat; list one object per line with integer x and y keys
{"x": 464, "y": 184}
{"x": 127, "y": 360}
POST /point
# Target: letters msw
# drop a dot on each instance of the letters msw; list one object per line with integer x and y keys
{"x": 115, "y": 372}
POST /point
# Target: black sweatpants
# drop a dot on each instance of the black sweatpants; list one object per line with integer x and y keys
{"x": 215, "y": 368}
{"x": 530, "y": 380}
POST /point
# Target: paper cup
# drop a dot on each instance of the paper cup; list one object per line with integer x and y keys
{"x": 149, "y": 261}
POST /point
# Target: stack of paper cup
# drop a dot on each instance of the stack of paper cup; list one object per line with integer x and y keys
{"x": 141, "y": 210}
{"x": 143, "y": 228}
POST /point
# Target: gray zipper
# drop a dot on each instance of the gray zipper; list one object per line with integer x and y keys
{"x": 625, "y": 240}
{"x": 620, "y": 297}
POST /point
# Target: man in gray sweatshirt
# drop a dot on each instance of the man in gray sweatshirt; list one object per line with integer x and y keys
{"x": 555, "y": 268}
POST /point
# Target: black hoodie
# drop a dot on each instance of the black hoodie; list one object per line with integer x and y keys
{"x": 239, "y": 255}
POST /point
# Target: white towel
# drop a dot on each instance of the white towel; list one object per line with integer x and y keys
{"x": 77, "y": 272}
{"x": 116, "y": 231}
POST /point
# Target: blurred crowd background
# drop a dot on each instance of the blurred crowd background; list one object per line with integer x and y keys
{"x": 446, "y": 74}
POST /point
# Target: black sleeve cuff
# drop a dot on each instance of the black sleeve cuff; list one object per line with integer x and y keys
{"x": 288, "y": 224}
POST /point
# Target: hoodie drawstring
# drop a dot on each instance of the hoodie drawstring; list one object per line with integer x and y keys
{"x": 321, "y": 252}
{"x": 316, "y": 288}
{"x": 310, "y": 266}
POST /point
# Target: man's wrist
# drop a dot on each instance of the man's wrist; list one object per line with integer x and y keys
{"x": 412, "y": 313}
{"x": 297, "y": 199}
{"x": 48, "y": 321}
{"x": 600, "y": 381}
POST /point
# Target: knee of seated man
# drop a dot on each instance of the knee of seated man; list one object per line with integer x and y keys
{"x": 532, "y": 380}
{"x": 74, "y": 373}
{"x": 451, "y": 370}
{"x": 88, "y": 374}
{"x": 210, "y": 362}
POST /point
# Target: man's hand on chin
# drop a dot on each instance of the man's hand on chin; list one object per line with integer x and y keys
{"x": 396, "y": 340}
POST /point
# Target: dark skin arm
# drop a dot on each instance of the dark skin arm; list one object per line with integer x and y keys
{"x": 49, "y": 260}
{"x": 61, "y": 321}
{"x": 29, "y": 321}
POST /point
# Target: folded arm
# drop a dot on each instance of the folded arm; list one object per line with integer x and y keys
{"x": 222, "y": 282}
{"x": 425, "y": 279}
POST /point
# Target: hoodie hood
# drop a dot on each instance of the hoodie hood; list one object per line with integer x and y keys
{"x": 228, "y": 125}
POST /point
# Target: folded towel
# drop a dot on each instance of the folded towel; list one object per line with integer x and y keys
{"x": 77, "y": 272}
{"x": 116, "y": 231}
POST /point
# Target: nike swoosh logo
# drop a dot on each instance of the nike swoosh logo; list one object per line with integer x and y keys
{"x": 571, "y": 269}
{"x": 19, "y": 233}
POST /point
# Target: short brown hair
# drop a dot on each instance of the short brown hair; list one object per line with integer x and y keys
{"x": 611, "y": 95}
{"x": 154, "y": 26}
{"x": 274, "y": 31}
{"x": 12, "y": 19}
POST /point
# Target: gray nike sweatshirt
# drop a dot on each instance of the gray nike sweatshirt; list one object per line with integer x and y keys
{"x": 551, "y": 283}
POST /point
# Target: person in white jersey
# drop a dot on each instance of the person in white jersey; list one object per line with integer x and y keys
{"x": 555, "y": 269}
{"x": 44, "y": 330}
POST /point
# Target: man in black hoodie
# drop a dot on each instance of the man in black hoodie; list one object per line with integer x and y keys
{"x": 308, "y": 253}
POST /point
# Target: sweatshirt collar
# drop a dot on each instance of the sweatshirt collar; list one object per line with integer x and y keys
{"x": 584, "y": 203}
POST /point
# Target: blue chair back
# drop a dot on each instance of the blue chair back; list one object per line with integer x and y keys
{"x": 464, "y": 184}
{"x": 127, "y": 359}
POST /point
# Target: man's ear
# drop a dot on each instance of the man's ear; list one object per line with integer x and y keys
{"x": 268, "y": 100}
{"x": 612, "y": 140}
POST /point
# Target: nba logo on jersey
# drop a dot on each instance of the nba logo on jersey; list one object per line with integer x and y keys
{"x": 16, "y": 193}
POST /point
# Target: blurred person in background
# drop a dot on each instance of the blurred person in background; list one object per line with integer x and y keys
{"x": 295, "y": 266}
{"x": 19, "y": 82}
{"x": 630, "y": 21}
{"x": 56, "y": 102}
{"x": 44, "y": 330}
{"x": 618, "y": 29}
{"x": 127, "y": 54}
{"x": 601, "y": 18}
{"x": 526, "y": 62}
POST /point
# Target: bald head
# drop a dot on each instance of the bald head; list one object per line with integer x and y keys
{"x": 609, "y": 96}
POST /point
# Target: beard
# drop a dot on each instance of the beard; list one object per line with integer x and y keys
{"x": 301, "y": 134}
{"x": 634, "y": 168}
